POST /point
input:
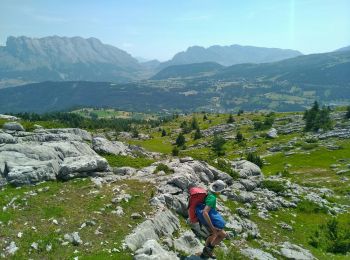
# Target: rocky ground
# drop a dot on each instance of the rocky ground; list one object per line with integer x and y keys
{"x": 71, "y": 201}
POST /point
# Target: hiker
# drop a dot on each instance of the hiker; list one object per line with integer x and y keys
{"x": 207, "y": 215}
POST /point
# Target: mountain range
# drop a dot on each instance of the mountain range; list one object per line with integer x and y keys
{"x": 230, "y": 55}
{"x": 287, "y": 85}
{"x": 25, "y": 60}
{"x": 62, "y": 58}
{"x": 331, "y": 68}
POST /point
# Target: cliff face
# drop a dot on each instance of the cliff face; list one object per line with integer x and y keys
{"x": 63, "y": 58}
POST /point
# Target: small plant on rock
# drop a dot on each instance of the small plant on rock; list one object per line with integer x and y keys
{"x": 272, "y": 185}
{"x": 254, "y": 158}
{"x": 225, "y": 166}
{"x": 163, "y": 167}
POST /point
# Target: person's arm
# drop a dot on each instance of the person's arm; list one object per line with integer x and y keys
{"x": 207, "y": 218}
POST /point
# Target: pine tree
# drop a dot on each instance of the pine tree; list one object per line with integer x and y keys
{"x": 163, "y": 132}
{"x": 175, "y": 151}
{"x": 239, "y": 137}
{"x": 240, "y": 112}
{"x": 347, "y": 115}
{"x": 218, "y": 145}
{"x": 180, "y": 140}
{"x": 197, "y": 134}
{"x": 230, "y": 120}
{"x": 205, "y": 118}
{"x": 194, "y": 123}
{"x": 316, "y": 118}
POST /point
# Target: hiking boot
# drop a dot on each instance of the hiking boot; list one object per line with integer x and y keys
{"x": 208, "y": 252}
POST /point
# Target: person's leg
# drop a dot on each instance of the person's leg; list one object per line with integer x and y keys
{"x": 220, "y": 236}
{"x": 210, "y": 239}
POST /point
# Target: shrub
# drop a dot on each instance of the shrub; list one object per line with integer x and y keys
{"x": 240, "y": 112}
{"x": 311, "y": 140}
{"x": 218, "y": 145}
{"x": 347, "y": 115}
{"x": 272, "y": 185}
{"x": 135, "y": 133}
{"x": 255, "y": 159}
{"x": 285, "y": 173}
{"x": 197, "y": 134}
{"x": 309, "y": 146}
{"x": 175, "y": 151}
{"x": 163, "y": 132}
{"x": 163, "y": 167}
{"x": 334, "y": 237}
{"x": 225, "y": 166}
{"x": 230, "y": 119}
{"x": 308, "y": 206}
{"x": 180, "y": 140}
{"x": 194, "y": 123}
{"x": 316, "y": 118}
{"x": 239, "y": 137}
{"x": 185, "y": 127}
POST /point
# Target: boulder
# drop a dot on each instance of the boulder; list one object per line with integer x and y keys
{"x": 83, "y": 134}
{"x": 8, "y": 117}
{"x": 82, "y": 166}
{"x": 272, "y": 133}
{"x": 246, "y": 169}
{"x": 7, "y": 139}
{"x": 11, "y": 249}
{"x": 124, "y": 171}
{"x": 102, "y": 145}
{"x": 164, "y": 223}
{"x": 74, "y": 238}
{"x": 13, "y": 126}
{"x": 248, "y": 184}
{"x": 32, "y": 172}
{"x": 258, "y": 254}
{"x": 291, "y": 251}
{"x": 152, "y": 250}
{"x": 188, "y": 243}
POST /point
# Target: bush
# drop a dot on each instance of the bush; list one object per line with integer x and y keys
{"x": 309, "y": 146}
{"x": 311, "y": 140}
{"x": 163, "y": 167}
{"x": 347, "y": 115}
{"x": 255, "y": 159}
{"x": 225, "y": 166}
{"x": 272, "y": 185}
{"x": 163, "y": 132}
{"x": 185, "y": 127}
{"x": 218, "y": 145}
{"x": 266, "y": 124}
{"x": 316, "y": 118}
{"x": 308, "y": 206}
{"x": 197, "y": 134}
{"x": 180, "y": 140}
{"x": 334, "y": 237}
{"x": 239, "y": 137}
{"x": 194, "y": 123}
{"x": 230, "y": 119}
{"x": 175, "y": 151}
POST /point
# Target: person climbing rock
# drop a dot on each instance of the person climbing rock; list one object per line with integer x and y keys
{"x": 212, "y": 219}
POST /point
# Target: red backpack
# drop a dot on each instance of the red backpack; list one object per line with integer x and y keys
{"x": 197, "y": 196}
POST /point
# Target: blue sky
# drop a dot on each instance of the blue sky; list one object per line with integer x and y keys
{"x": 160, "y": 28}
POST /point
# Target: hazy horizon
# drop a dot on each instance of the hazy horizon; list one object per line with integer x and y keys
{"x": 158, "y": 29}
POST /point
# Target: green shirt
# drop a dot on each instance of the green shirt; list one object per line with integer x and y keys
{"x": 210, "y": 200}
